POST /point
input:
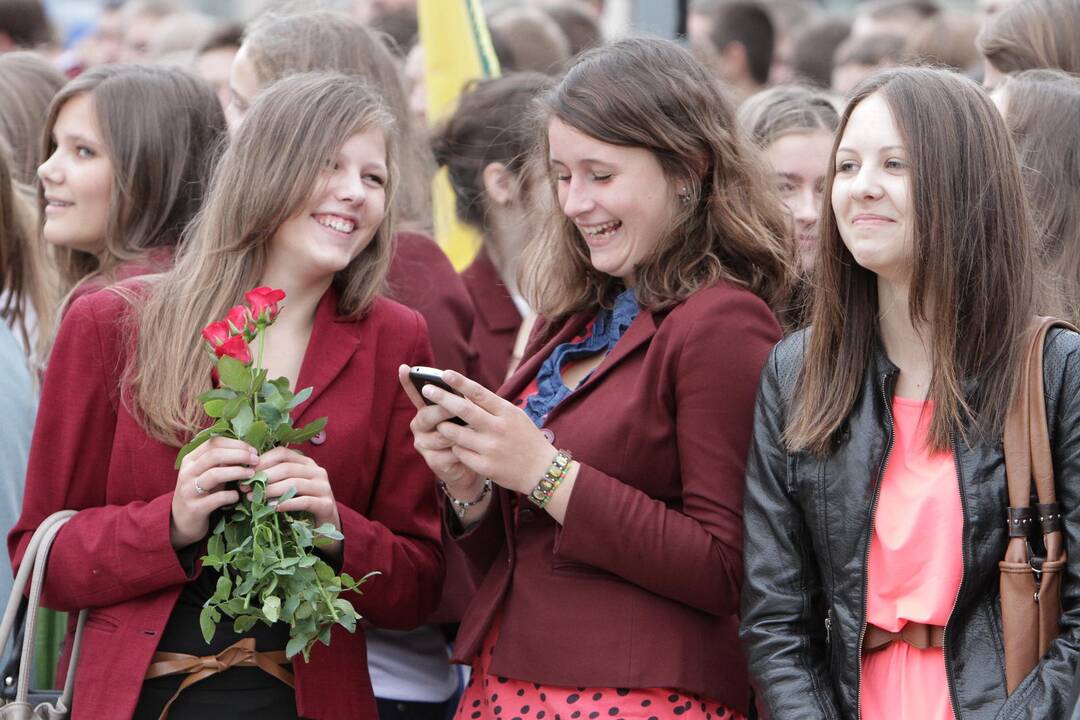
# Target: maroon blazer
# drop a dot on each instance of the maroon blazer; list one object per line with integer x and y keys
{"x": 640, "y": 585}
{"x": 421, "y": 277}
{"x": 89, "y": 454}
{"x": 497, "y": 322}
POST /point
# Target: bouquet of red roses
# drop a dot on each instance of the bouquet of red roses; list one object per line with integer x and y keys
{"x": 269, "y": 569}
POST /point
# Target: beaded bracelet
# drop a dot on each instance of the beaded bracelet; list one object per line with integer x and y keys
{"x": 544, "y": 489}
{"x": 461, "y": 506}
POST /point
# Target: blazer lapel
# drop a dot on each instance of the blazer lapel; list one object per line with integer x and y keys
{"x": 639, "y": 333}
{"x": 537, "y": 352}
{"x": 334, "y": 340}
{"x": 490, "y": 297}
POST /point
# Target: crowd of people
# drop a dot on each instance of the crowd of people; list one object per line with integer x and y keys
{"x": 717, "y": 425}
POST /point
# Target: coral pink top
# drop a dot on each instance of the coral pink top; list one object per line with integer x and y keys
{"x": 914, "y": 572}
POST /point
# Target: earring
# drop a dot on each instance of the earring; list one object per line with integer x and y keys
{"x": 684, "y": 195}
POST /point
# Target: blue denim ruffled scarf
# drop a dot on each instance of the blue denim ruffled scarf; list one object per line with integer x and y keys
{"x": 608, "y": 327}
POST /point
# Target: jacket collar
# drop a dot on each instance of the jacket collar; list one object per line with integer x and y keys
{"x": 490, "y": 296}
{"x": 334, "y": 339}
{"x": 640, "y": 332}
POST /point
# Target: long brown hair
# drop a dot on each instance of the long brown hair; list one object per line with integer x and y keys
{"x": 162, "y": 130}
{"x": 652, "y": 94}
{"x": 267, "y": 174}
{"x": 1043, "y": 115}
{"x": 28, "y": 83}
{"x": 330, "y": 41}
{"x": 1033, "y": 34}
{"x": 971, "y": 285}
{"x": 27, "y": 278}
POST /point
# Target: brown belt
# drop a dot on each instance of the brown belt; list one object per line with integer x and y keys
{"x": 240, "y": 654}
{"x": 915, "y": 634}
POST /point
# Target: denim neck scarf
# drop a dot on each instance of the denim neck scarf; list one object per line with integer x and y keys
{"x": 607, "y": 328}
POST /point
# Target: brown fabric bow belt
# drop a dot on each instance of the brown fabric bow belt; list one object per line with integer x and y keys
{"x": 240, "y": 654}
{"x": 915, "y": 634}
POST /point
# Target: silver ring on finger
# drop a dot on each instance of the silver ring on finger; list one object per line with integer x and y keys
{"x": 199, "y": 488}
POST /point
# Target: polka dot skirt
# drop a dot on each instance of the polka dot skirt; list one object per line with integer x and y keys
{"x": 490, "y": 697}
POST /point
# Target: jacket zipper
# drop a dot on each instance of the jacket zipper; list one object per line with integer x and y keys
{"x": 963, "y": 555}
{"x": 869, "y": 539}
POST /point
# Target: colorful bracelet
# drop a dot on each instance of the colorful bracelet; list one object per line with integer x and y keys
{"x": 461, "y": 506}
{"x": 544, "y": 489}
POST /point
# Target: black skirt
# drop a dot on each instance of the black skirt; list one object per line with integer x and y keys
{"x": 239, "y": 693}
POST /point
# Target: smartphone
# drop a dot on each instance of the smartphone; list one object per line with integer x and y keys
{"x": 421, "y": 376}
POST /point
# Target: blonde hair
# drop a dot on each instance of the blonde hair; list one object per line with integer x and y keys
{"x": 265, "y": 177}
{"x": 652, "y": 94}
{"x": 1033, "y": 34}
{"x": 28, "y": 83}
{"x": 330, "y": 41}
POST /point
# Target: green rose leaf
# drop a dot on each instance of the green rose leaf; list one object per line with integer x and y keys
{"x": 295, "y": 645}
{"x": 217, "y": 394}
{"x": 299, "y": 398}
{"x": 234, "y": 374}
{"x": 256, "y": 434}
{"x": 272, "y": 608}
{"x": 243, "y": 421}
{"x": 207, "y": 624}
{"x": 307, "y": 432}
{"x": 214, "y": 408}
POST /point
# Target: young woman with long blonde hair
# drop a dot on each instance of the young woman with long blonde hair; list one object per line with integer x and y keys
{"x": 120, "y": 398}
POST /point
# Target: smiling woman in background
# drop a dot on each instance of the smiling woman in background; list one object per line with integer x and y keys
{"x": 129, "y": 150}
{"x": 601, "y": 495}
{"x": 794, "y": 128}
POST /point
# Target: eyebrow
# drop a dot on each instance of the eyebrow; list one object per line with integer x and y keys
{"x": 594, "y": 161}
{"x": 78, "y": 139}
{"x": 886, "y": 148}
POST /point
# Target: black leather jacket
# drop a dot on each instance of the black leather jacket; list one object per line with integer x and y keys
{"x": 808, "y": 524}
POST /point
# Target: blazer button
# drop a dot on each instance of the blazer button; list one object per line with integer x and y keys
{"x": 319, "y": 438}
{"x": 548, "y": 435}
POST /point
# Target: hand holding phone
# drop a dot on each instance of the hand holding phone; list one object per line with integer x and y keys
{"x": 421, "y": 376}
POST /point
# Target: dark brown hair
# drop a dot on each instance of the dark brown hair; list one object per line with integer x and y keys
{"x": 652, "y": 94}
{"x": 491, "y": 123}
{"x": 162, "y": 129}
{"x": 1033, "y": 34}
{"x": 26, "y": 23}
{"x": 971, "y": 289}
{"x": 814, "y": 49}
{"x": 747, "y": 23}
{"x": 28, "y": 83}
{"x": 1043, "y": 114}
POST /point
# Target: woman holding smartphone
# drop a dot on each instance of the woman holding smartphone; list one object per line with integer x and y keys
{"x": 600, "y": 495}
{"x": 875, "y": 487}
{"x": 120, "y": 397}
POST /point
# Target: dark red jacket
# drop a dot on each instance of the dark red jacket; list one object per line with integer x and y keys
{"x": 89, "y": 454}
{"x": 497, "y": 322}
{"x": 640, "y": 586}
{"x": 421, "y": 277}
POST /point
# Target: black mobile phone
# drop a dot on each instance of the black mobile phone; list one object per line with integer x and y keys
{"x": 421, "y": 376}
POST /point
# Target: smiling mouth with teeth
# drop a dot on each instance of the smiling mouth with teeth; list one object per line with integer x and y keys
{"x": 602, "y": 230}
{"x": 334, "y": 223}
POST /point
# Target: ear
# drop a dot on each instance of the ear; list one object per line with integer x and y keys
{"x": 500, "y": 185}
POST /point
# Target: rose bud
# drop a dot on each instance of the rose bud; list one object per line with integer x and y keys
{"x": 263, "y": 302}
{"x": 236, "y": 348}
{"x": 216, "y": 333}
{"x": 240, "y": 319}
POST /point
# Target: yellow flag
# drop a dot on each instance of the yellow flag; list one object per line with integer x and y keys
{"x": 457, "y": 49}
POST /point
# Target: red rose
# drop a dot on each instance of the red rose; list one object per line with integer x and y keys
{"x": 236, "y": 348}
{"x": 216, "y": 333}
{"x": 263, "y": 302}
{"x": 240, "y": 319}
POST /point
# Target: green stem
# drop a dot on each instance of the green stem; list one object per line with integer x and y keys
{"x": 258, "y": 371}
{"x": 326, "y": 598}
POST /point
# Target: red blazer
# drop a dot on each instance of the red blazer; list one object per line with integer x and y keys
{"x": 497, "y": 322}
{"x": 421, "y": 277}
{"x": 640, "y": 586}
{"x": 89, "y": 454}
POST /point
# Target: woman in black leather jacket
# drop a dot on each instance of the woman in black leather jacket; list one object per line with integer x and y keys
{"x": 876, "y": 494}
